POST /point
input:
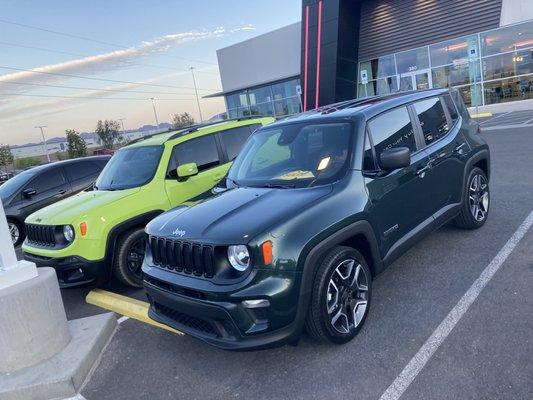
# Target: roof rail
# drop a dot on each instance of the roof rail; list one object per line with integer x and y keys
{"x": 145, "y": 137}
{"x": 194, "y": 128}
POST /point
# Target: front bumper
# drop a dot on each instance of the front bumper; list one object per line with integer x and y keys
{"x": 218, "y": 315}
{"x": 73, "y": 271}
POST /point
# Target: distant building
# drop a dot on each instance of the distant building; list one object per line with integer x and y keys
{"x": 59, "y": 144}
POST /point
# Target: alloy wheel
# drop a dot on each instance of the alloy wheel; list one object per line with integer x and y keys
{"x": 135, "y": 256}
{"x": 347, "y": 296}
{"x": 14, "y": 231}
{"x": 478, "y": 196}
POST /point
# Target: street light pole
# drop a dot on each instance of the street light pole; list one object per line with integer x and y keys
{"x": 45, "y": 146}
{"x": 122, "y": 123}
{"x": 197, "y": 98}
{"x": 155, "y": 113}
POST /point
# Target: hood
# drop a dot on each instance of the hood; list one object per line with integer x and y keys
{"x": 78, "y": 206}
{"x": 235, "y": 214}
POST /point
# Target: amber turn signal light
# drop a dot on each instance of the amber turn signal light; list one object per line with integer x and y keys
{"x": 83, "y": 228}
{"x": 267, "y": 252}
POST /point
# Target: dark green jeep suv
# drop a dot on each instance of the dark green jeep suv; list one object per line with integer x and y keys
{"x": 312, "y": 209}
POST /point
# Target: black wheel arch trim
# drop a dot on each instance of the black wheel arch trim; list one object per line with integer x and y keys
{"x": 313, "y": 257}
{"x": 114, "y": 234}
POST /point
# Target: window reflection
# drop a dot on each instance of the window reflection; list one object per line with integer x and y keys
{"x": 412, "y": 60}
{"x": 504, "y": 90}
{"x": 455, "y": 75}
{"x": 277, "y": 99}
{"x": 510, "y": 38}
{"x": 451, "y": 51}
{"x": 506, "y": 65}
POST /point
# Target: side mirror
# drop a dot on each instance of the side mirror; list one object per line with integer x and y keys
{"x": 186, "y": 170}
{"x": 29, "y": 192}
{"x": 397, "y": 157}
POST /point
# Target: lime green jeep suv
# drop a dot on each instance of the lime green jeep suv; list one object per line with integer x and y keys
{"x": 97, "y": 233}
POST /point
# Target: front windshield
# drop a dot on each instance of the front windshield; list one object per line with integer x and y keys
{"x": 295, "y": 155}
{"x": 15, "y": 183}
{"x": 129, "y": 168}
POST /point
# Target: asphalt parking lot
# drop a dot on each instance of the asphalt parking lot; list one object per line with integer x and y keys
{"x": 487, "y": 355}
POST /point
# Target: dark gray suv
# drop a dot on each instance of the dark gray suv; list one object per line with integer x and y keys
{"x": 311, "y": 210}
{"x": 40, "y": 186}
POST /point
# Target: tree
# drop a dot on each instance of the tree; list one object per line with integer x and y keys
{"x": 182, "y": 120}
{"x": 76, "y": 146}
{"x": 109, "y": 133}
{"x": 6, "y": 157}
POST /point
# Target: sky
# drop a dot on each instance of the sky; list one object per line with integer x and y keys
{"x": 105, "y": 59}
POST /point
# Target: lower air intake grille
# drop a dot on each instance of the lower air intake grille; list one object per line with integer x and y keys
{"x": 197, "y": 324}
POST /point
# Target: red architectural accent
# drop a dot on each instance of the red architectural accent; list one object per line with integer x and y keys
{"x": 318, "y": 52}
{"x": 306, "y": 48}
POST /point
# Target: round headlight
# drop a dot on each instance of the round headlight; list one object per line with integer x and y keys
{"x": 238, "y": 257}
{"x": 68, "y": 233}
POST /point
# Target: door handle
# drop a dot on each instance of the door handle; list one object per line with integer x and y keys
{"x": 459, "y": 149}
{"x": 422, "y": 171}
{"x": 62, "y": 191}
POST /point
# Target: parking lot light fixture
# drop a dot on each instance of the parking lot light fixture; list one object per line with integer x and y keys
{"x": 45, "y": 146}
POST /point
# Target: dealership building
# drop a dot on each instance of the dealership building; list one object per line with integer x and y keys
{"x": 344, "y": 49}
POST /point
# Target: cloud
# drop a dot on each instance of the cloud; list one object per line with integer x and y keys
{"x": 108, "y": 61}
{"x": 54, "y": 105}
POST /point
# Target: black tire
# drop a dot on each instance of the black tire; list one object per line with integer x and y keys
{"x": 126, "y": 267}
{"x": 466, "y": 219}
{"x": 21, "y": 232}
{"x": 318, "y": 322}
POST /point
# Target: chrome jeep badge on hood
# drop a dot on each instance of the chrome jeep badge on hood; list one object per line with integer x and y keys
{"x": 178, "y": 232}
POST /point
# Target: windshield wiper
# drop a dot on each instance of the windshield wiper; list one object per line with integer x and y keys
{"x": 278, "y": 186}
{"x": 233, "y": 181}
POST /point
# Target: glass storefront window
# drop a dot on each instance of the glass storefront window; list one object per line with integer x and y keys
{"x": 455, "y": 75}
{"x": 504, "y": 90}
{"x": 471, "y": 95}
{"x": 278, "y": 99}
{"x": 260, "y": 95}
{"x": 285, "y": 89}
{"x": 412, "y": 60}
{"x": 237, "y": 100}
{"x": 452, "y": 51}
{"x": 378, "y": 68}
{"x": 262, "y": 109}
{"x": 510, "y": 38}
{"x": 506, "y": 65}
{"x": 287, "y": 106}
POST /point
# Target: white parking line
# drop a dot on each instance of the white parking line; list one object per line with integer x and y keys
{"x": 528, "y": 121}
{"x": 495, "y": 117}
{"x": 122, "y": 319}
{"x": 417, "y": 363}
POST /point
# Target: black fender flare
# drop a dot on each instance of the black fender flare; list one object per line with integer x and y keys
{"x": 114, "y": 234}
{"x": 310, "y": 264}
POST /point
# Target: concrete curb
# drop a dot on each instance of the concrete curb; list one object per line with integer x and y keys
{"x": 62, "y": 375}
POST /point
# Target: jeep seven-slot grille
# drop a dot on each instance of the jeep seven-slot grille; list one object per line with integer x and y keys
{"x": 43, "y": 235}
{"x": 182, "y": 256}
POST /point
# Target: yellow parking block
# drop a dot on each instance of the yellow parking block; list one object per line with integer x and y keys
{"x": 481, "y": 115}
{"x": 124, "y": 305}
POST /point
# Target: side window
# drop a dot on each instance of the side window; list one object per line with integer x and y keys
{"x": 451, "y": 107}
{"x": 368, "y": 156}
{"x": 432, "y": 119}
{"x": 81, "y": 170}
{"x": 47, "y": 180}
{"x": 234, "y": 139}
{"x": 202, "y": 151}
{"x": 392, "y": 129}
